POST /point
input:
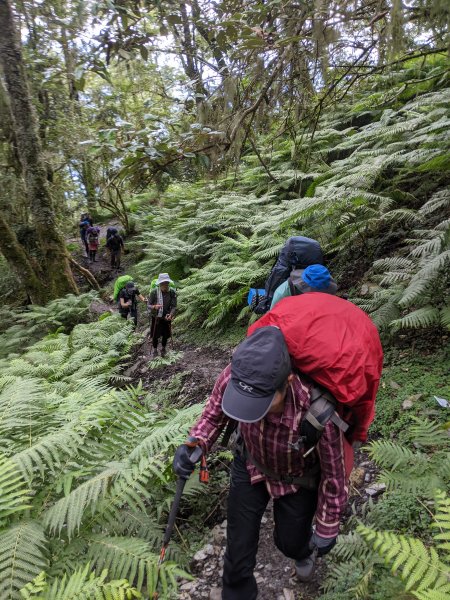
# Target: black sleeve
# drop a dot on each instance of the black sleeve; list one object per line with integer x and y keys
{"x": 173, "y": 302}
{"x": 152, "y": 298}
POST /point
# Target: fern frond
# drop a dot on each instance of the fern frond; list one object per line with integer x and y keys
{"x": 14, "y": 496}
{"x": 81, "y": 584}
{"x": 23, "y": 549}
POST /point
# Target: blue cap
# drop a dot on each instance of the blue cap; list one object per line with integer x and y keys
{"x": 317, "y": 276}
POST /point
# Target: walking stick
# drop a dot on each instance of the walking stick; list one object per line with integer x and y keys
{"x": 181, "y": 482}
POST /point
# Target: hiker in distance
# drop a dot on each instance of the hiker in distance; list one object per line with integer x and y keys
{"x": 315, "y": 278}
{"x": 115, "y": 245}
{"x": 92, "y": 239}
{"x": 162, "y": 305}
{"x": 291, "y": 445}
{"x": 128, "y": 298}
{"x": 83, "y": 225}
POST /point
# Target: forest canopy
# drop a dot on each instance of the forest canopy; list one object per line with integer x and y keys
{"x": 100, "y": 100}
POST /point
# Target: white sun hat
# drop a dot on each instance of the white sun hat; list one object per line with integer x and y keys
{"x": 162, "y": 278}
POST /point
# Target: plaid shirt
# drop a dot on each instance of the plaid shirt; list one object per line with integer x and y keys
{"x": 268, "y": 441}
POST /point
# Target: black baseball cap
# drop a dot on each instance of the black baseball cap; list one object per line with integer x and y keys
{"x": 259, "y": 367}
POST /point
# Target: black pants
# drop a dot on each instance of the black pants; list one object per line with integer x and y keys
{"x": 293, "y": 515}
{"x": 160, "y": 327}
{"x": 115, "y": 258}
{"x": 92, "y": 254}
{"x": 125, "y": 311}
{"x": 85, "y": 244}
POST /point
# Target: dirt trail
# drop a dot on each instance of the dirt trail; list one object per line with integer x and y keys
{"x": 101, "y": 269}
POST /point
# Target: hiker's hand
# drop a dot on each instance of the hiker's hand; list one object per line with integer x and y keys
{"x": 157, "y": 306}
{"x": 323, "y": 545}
{"x": 183, "y": 465}
{"x": 169, "y": 317}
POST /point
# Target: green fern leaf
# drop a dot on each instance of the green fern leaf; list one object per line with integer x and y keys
{"x": 22, "y": 557}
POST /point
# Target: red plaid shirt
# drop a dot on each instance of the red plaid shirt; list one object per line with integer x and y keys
{"x": 268, "y": 442}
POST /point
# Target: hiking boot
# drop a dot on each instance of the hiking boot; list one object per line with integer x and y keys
{"x": 305, "y": 568}
{"x": 163, "y": 352}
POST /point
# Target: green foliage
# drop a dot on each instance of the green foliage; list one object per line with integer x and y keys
{"x": 21, "y": 328}
{"x": 421, "y": 470}
{"x": 171, "y": 358}
{"x": 412, "y": 377}
{"x": 413, "y": 474}
{"x": 355, "y": 193}
{"x": 424, "y": 570}
{"x": 81, "y": 584}
{"x": 402, "y": 512}
{"x": 86, "y": 475}
{"x": 14, "y": 494}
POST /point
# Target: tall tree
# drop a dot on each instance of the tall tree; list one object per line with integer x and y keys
{"x": 53, "y": 258}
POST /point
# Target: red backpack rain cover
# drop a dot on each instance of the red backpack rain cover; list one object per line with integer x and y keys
{"x": 335, "y": 343}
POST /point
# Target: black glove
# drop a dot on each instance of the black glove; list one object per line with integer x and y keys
{"x": 323, "y": 545}
{"x": 185, "y": 459}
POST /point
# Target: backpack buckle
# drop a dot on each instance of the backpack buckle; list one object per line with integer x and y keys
{"x": 298, "y": 445}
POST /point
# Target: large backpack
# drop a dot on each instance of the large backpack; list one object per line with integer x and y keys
{"x": 335, "y": 343}
{"x": 298, "y": 252}
{"x": 92, "y": 235}
{"x": 110, "y": 232}
{"x": 119, "y": 284}
{"x": 153, "y": 285}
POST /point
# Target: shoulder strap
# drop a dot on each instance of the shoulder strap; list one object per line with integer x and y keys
{"x": 230, "y": 429}
{"x": 292, "y": 288}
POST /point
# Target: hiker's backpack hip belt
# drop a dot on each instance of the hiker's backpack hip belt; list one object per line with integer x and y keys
{"x": 307, "y": 482}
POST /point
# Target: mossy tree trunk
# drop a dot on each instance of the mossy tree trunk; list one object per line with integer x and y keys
{"x": 54, "y": 258}
{"x": 22, "y": 265}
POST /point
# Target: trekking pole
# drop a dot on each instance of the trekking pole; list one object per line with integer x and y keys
{"x": 181, "y": 482}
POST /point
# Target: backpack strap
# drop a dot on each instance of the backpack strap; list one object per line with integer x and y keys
{"x": 230, "y": 429}
{"x": 292, "y": 288}
{"x": 308, "y": 482}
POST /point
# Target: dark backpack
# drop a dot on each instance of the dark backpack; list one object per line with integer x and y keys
{"x": 298, "y": 252}
{"x": 110, "y": 232}
{"x": 114, "y": 242}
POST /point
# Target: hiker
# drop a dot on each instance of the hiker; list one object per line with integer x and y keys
{"x": 315, "y": 278}
{"x": 92, "y": 235}
{"x": 110, "y": 232}
{"x": 84, "y": 225}
{"x": 115, "y": 245}
{"x": 128, "y": 301}
{"x": 162, "y": 305}
{"x": 274, "y": 456}
{"x": 297, "y": 253}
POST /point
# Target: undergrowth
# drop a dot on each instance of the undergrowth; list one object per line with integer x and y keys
{"x": 85, "y": 470}
{"x": 375, "y": 195}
